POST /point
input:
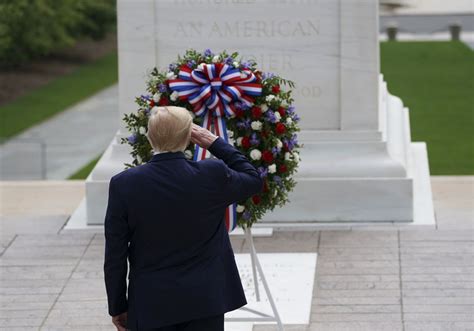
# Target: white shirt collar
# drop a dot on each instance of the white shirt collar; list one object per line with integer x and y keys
{"x": 159, "y": 152}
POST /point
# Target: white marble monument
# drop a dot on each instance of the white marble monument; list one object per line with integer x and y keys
{"x": 358, "y": 161}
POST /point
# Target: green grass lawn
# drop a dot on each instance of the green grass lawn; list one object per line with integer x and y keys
{"x": 56, "y": 96}
{"x": 435, "y": 80}
{"x": 85, "y": 170}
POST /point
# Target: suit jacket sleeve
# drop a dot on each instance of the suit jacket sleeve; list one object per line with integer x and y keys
{"x": 241, "y": 179}
{"x": 116, "y": 233}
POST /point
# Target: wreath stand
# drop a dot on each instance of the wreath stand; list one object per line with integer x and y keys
{"x": 256, "y": 267}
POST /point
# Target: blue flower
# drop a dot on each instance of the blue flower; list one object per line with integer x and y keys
{"x": 191, "y": 64}
{"x": 241, "y": 105}
{"x": 246, "y": 215}
{"x": 229, "y": 60}
{"x": 277, "y": 180}
{"x": 173, "y": 66}
{"x": 132, "y": 139}
{"x": 162, "y": 88}
{"x": 290, "y": 110}
{"x": 276, "y": 150}
{"x": 245, "y": 64}
{"x": 295, "y": 117}
{"x": 267, "y": 75}
{"x": 270, "y": 116}
{"x": 208, "y": 52}
{"x": 254, "y": 140}
{"x": 292, "y": 142}
{"x": 263, "y": 171}
{"x": 145, "y": 97}
{"x": 244, "y": 124}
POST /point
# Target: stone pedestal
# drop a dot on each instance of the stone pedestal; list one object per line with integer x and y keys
{"x": 358, "y": 161}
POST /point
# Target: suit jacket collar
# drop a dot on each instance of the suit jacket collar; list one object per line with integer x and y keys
{"x": 167, "y": 156}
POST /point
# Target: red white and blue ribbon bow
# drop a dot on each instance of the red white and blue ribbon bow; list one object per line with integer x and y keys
{"x": 213, "y": 90}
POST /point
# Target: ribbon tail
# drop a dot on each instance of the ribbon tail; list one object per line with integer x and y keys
{"x": 220, "y": 127}
{"x": 230, "y": 216}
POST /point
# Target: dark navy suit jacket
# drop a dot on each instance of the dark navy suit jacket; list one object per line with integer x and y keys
{"x": 166, "y": 217}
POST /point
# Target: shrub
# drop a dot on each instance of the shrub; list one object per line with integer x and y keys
{"x": 33, "y": 28}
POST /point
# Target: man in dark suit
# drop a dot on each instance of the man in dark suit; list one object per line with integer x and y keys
{"x": 166, "y": 217}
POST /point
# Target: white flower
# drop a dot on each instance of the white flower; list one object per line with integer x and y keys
{"x": 188, "y": 154}
{"x": 277, "y": 116}
{"x": 170, "y": 75}
{"x": 156, "y": 97}
{"x": 289, "y": 120}
{"x": 275, "y": 193}
{"x": 154, "y": 110}
{"x": 269, "y": 98}
{"x": 272, "y": 168}
{"x": 255, "y": 154}
{"x": 230, "y": 133}
{"x": 238, "y": 142}
{"x": 201, "y": 66}
{"x": 236, "y": 64}
{"x": 287, "y": 156}
{"x": 139, "y": 159}
{"x": 256, "y": 125}
{"x": 264, "y": 107}
{"x": 296, "y": 156}
{"x": 240, "y": 208}
{"x": 279, "y": 144}
{"x": 174, "y": 96}
{"x": 216, "y": 59}
{"x": 142, "y": 130}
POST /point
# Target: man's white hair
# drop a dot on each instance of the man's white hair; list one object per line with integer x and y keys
{"x": 169, "y": 128}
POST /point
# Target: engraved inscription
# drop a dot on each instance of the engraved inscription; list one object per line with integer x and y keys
{"x": 248, "y": 29}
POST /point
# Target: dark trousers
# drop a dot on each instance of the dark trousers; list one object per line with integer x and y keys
{"x": 212, "y": 323}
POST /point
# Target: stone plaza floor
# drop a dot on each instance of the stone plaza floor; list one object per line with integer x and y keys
{"x": 371, "y": 277}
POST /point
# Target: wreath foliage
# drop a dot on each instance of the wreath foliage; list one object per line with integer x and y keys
{"x": 265, "y": 131}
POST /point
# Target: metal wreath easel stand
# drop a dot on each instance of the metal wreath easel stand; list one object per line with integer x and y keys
{"x": 256, "y": 267}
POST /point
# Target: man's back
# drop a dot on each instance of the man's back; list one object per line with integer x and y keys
{"x": 181, "y": 262}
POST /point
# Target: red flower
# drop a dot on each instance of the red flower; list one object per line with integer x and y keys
{"x": 163, "y": 101}
{"x": 267, "y": 156}
{"x": 256, "y": 199}
{"x": 282, "y": 168}
{"x": 282, "y": 111}
{"x": 280, "y": 128}
{"x": 285, "y": 147}
{"x": 239, "y": 113}
{"x": 256, "y": 112}
{"x": 246, "y": 142}
{"x": 152, "y": 103}
{"x": 276, "y": 89}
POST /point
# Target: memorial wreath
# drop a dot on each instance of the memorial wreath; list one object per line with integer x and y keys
{"x": 239, "y": 103}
